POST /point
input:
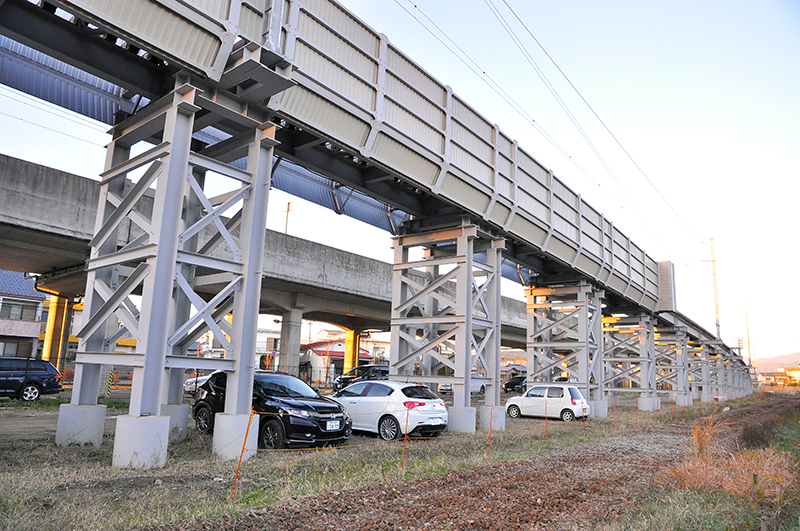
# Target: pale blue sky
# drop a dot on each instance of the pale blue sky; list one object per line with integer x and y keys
{"x": 703, "y": 95}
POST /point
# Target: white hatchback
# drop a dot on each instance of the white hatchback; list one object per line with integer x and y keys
{"x": 549, "y": 400}
{"x": 392, "y": 408}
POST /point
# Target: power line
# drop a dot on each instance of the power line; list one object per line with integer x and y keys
{"x": 601, "y": 121}
{"x": 504, "y": 24}
{"x": 57, "y": 110}
{"x": 51, "y": 129}
{"x": 494, "y": 86}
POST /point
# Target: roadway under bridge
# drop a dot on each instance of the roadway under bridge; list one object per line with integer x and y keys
{"x": 230, "y": 91}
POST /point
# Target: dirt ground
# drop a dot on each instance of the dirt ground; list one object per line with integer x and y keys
{"x": 576, "y": 488}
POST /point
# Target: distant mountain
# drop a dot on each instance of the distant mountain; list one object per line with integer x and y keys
{"x": 778, "y": 362}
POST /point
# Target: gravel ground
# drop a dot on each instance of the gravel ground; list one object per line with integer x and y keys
{"x": 575, "y": 488}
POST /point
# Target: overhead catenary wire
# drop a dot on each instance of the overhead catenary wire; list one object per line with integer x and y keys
{"x": 466, "y": 59}
{"x": 493, "y": 85}
{"x": 608, "y": 130}
{"x": 529, "y": 58}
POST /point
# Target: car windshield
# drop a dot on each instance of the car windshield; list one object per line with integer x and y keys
{"x": 284, "y": 386}
{"x": 418, "y": 391}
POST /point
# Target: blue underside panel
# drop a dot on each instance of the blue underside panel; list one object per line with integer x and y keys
{"x": 41, "y": 76}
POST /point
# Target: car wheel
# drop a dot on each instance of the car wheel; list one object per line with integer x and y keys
{"x": 30, "y": 392}
{"x": 271, "y": 436}
{"x": 204, "y": 420}
{"x": 567, "y": 415}
{"x": 514, "y": 412}
{"x": 388, "y": 428}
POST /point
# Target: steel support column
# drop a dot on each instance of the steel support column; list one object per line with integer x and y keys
{"x": 630, "y": 358}
{"x": 565, "y": 339}
{"x": 190, "y": 239}
{"x": 446, "y": 314}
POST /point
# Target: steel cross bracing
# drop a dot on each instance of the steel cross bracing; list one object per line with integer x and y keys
{"x": 446, "y": 312}
{"x": 565, "y": 336}
{"x": 179, "y": 248}
{"x": 673, "y": 364}
{"x": 630, "y": 358}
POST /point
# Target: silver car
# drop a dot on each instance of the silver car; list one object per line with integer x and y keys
{"x": 549, "y": 400}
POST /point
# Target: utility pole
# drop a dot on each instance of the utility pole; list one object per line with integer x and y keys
{"x": 747, "y": 325}
{"x": 286, "y": 226}
{"x": 716, "y": 295}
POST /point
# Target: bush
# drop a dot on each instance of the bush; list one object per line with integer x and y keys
{"x": 758, "y": 435}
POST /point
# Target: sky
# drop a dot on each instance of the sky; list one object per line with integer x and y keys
{"x": 691, "y": 106}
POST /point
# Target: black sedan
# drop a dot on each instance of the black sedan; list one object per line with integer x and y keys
{"x": 291, "y": 414}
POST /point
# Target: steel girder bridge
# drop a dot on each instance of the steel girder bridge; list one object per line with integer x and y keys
{"x": 228, "y": 90}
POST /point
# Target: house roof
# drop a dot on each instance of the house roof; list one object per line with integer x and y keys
{"x": 334, "y": 348}
{"x": 15, "y": 284}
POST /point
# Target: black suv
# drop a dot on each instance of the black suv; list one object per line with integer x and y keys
{"x": 28, "y": 379}
{"x": 515, "y": 384}
{"x": 291, "y": 413}
{"x": 360, "y": 373}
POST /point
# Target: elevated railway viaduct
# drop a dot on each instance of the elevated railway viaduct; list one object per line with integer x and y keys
{"x": 229, "y": 91}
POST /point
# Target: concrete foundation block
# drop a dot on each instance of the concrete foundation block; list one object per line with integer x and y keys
{"x": 141, "y": 442}
{"x": 178, "y": 420}
{"x": 80, "y": 425}
{"x": 461, "y": 419}
{"x": 598, "y": 409}
{"x": 229, "y": 434}
{"x": 706, "y": 398}
{"x": 649, "y": 403}
{"x": 684, "y": 400}
{"x": 492, "y": 418}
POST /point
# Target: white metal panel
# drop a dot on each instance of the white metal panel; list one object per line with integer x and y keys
{"x": 319, "y": 67}
{"x": 343, "y": 23}
{"x": 326, "y": 116}
{"x": 413, "y": 127}
{"x": 415, "y": 77}
{"x": 251, "y": 23}
{"x": 472, "y": 120}
{"x": 337, "y": 49}
{"x": 459, "y": 190}
{"x": 187, "y": 33}
{"x": 415, "y": 103}
{"x": 406, "y": 160}
{"x": 471, "y": 164}
{"x": 474, "y": 144}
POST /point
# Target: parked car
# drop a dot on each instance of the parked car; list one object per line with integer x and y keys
{"x": 515, "y": 384}
{"x": 291, "y": 414}
{"x": 477, "y": 384}
{"x": 551, "y": 400}
{"x": 360, "y": 373}
{"x": 191, "y": 385}
{"x": 387, "y": 408}
{"x": 28, "y": 379}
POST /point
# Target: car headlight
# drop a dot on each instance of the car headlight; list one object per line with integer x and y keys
{"x": 304, "y": 413}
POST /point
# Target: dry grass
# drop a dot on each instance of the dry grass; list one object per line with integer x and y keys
{"x": 45, "y": 487}
{"x": 759, "y": 474}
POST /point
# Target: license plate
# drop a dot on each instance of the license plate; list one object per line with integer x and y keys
{"x": 333, "y": 425}
{"x": 436, "y": 421}
{"x": 584, "y": 410}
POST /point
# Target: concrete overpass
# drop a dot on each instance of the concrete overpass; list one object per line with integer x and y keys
{"x": 47, "y": 220}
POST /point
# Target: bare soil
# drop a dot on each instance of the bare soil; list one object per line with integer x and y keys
{"x": 574, "y": 488}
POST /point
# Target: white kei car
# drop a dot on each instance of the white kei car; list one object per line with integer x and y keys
{"x": 386, "y": 408}
{"x": 549, "y": 400}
